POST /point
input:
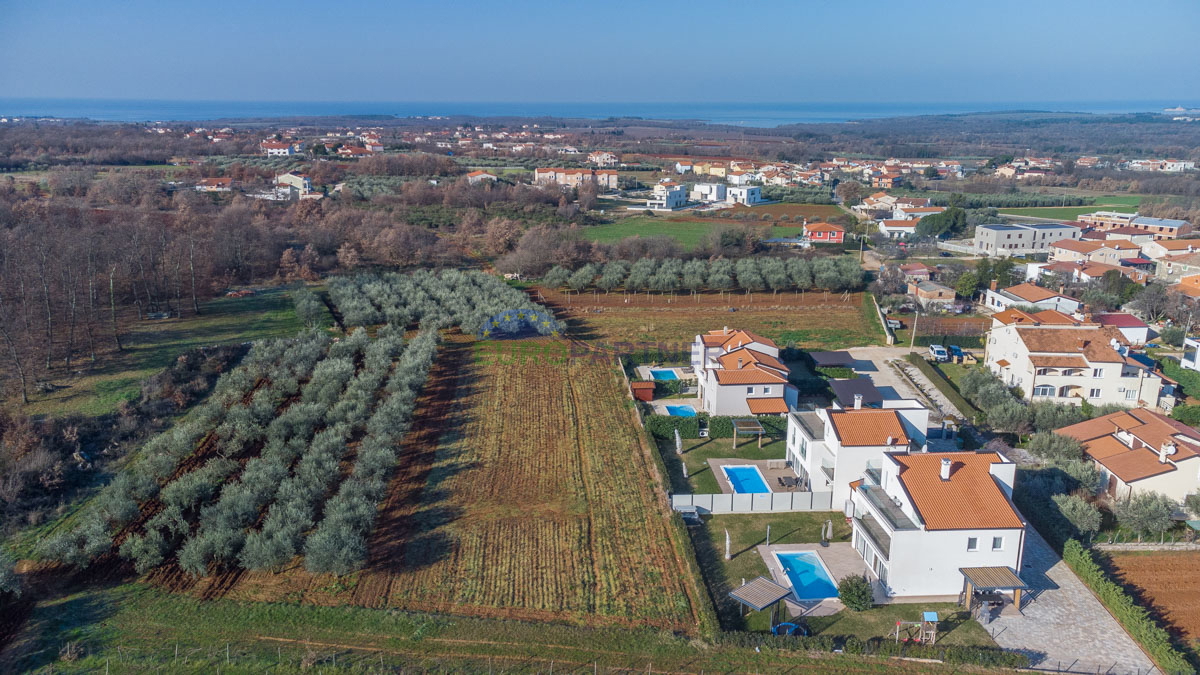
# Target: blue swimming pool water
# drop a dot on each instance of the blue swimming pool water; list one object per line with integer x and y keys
{"x": 664, "y": 375}
{"x": 809, "y": 579}
{"x": 681, "y": 410}
{"x": 746, "y": 479}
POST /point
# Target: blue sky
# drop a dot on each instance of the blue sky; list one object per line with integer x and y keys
{"x": 568, "y": 51}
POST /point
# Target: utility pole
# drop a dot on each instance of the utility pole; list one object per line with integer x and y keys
{"x": 913, "y": 338}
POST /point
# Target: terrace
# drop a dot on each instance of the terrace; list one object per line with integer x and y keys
{"x": 887, "y": 509}
{"x": 773, "y": 470}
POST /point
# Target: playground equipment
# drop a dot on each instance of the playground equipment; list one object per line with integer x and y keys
{"x": 789, "y": 628}
{"x": 919, "y": 632}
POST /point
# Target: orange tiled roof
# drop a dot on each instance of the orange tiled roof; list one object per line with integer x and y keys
{"x": 749, "y": 357}
{"x": 736, "y": 338}
{"x": 1077, "y": 246}
{"x": 1032, "y": 293}
{"x": 868, "y": 427}
{"x": 766, "y": 406}
{"x": 1149, "y": 430}
{"x": 824, "y": 227}
{"x": 1093, "y": 343}
{"x": 1058, "y": 361}
{"x": 971, "y": 499}
{"x": 751, "y": 375}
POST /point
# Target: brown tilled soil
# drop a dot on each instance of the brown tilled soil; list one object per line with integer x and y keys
{"x": 1168, "y": 582}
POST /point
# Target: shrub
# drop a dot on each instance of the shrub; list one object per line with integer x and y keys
{"x": 1081, "y": 513}
{"x": 834, "y": 373}
{"x": 1143, "y": 513}
{"x": 1050, "y": 446}
{"x": 855, "y": 593}
{"x": 664, "y": 426}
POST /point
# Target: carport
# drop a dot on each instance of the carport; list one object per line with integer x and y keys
{"x": 983, "y": 589}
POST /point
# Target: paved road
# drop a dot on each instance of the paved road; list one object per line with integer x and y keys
{"x": 1064, "y": 626}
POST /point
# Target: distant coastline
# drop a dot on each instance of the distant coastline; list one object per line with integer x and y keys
{"x": 738, "y": 114}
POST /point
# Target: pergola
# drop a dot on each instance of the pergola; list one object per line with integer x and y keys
{"x": 982, "y": 582}
{"x": 747, "y": 427}
{"x": 759, "y": 594}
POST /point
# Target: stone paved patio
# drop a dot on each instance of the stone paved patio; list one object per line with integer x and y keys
{"x": 1064, "y": 627}
{"x": 770, "y": 473}
{"x": 839, "y": 557}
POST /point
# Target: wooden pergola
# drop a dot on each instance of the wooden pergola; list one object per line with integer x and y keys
{"x": 747, "y": 427}
{"x": 759, "y": 594}
{"x": 981, "y": 582}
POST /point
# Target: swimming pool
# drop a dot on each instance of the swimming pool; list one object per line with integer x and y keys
{"x": 681, "y": 410}
{"x": 746, "y": 479}
{"x": 808, "y": 575}
{"x": 665, "y": 374}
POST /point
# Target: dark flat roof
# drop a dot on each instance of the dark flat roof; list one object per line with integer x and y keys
{"x": 832, "y": 359}
{"x": 844, "y": 391}
{"x": 993, "y": 578}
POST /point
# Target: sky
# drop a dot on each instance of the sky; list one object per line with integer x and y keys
{"x": 574, "y": 51}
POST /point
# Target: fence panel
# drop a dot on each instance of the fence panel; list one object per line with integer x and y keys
{"x": 775, "y": 502}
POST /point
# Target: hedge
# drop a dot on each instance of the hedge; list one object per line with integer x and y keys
{"x": 964, "y": 341}
{"x": 879, "y": 646}
{"x": 664, "y": 426}
{"x": 945, "y": 386}
{"x": 1189, "y": 380}
{"x": 1135, "y": 618}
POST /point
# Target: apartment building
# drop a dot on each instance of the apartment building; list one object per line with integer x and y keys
{"x": 1071, "y": 362}
{"x": 1028, "y": 294}
{"x": 1139, "y": 451}
{"x": 1006, "y": 240}
{"x": 920, "y": 521}
{"x": 739, "y": 373}
{"x": 604, "y": 178}
{"x": 1107, "y": 220}
{"x": 830, "y": 447}
{"x": 1173, "y": 268}
{"x": 1107, "y": 251}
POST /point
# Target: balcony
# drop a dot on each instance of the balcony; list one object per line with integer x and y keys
{"x": 827, "y": 469}
{"x": 887, "y": 509}
{"x": 875, "y": 532}
{"x": 811, "y": 424}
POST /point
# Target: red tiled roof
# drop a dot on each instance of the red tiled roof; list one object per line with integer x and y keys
{"x": 868, "y": 427}
{"x": 766, "y": 406}
{"x": 971, "y": 499}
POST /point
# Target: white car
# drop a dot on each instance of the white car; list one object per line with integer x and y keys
{"x": 939, "y": 353}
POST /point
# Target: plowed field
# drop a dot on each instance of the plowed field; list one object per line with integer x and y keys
{"x": 524, "y": 492}
{"x": 1167, "y": 581}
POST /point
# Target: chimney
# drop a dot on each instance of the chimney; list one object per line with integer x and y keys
{"x": 1167, "y": 449}
{"x": 945, "y": 473}
{"x": 739, "y": 363}
{"x": 993, "y": 284}
{"x": 858, "y": 401}
{"x": 725, "y": 330}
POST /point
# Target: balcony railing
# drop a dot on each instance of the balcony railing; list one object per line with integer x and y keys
{"x": 887, "y": 509}
{"x": 875, "y": 532}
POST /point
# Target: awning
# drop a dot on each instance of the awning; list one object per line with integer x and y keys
{"x": 1002, "y": 363}
{"x": 760, "y": 593}
{"x": 993, "y": 578}
{"x": 766, "y": 406}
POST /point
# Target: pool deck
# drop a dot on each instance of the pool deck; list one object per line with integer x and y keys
{"x": 771, "y": 470}
{"x": 681, "y": 372}
{"x": 660, "y": 404}
{"x": 842, "y": 561}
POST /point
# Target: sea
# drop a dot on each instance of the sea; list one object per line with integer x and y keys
{"x": 751, "y": 114}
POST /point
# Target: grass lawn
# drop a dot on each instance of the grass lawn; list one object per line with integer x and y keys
{"x": 1067, "y": 212}
{"x": 152, "y": 345}
{"x": 687, "y": 233}
{"x": 699, "y": 478}
{"x": 955, "y": 627}
{"x": 954, "y": 371}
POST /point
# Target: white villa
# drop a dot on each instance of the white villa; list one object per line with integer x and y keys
{"x": 667, "y": 197}
{"x": 1028, "y": 294}
{"x": 919, "y": 519}
{"x": 739, "y": 373}
{"x": 746, "y": 196}
{"x": 829, "y": 447}
{"x": 1054, "y": 357}
{"x": 708, "y": 192}
{"x": 1140, "y": 451}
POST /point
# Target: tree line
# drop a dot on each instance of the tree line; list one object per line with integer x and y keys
{"x": 671, "y": 275}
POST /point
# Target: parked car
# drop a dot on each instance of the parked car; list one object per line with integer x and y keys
{"x": 946, "y": 254}
{"x": 956, "y": 352}
{"x": 938, "y": 353}
{"x": 895, "y": 324}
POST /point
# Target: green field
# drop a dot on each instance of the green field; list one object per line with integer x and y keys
{"x": 150, "y": 346}
{"x": 689, "y": 233}
{"x": 1120, "y": 203}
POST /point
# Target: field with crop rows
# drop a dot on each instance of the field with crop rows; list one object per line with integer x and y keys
{"x": 536, "y": 502}
{"x": 1167, "y": 581}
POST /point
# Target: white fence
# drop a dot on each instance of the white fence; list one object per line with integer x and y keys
{"x": 768, "y": 502}
{"x": 959, "y": 246}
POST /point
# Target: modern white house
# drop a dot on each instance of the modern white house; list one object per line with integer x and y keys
{"x": 708, "y": 192}
{"x": 897, "y": 229}
{"x": 744, "y": 195}
{"x": 919, "y": 520}
{"x": 1028, "y": 294}
{"x": 830, "y": 447}
{"x": 1139, "y": 451}
{"x": 1071, "y": 361}
{"x": 1007, "y": 240}
{"x": 667, "y": 197}
{"x": 739, "y": 373}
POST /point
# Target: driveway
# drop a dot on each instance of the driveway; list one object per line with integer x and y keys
{"x": 872, "y": 362}
{"x": 1064, "y": 627}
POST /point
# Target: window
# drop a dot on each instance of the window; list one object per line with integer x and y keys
{"x": 972, "y": 543}
{"x": 1043, "y": 371}
{"x": 1094, "y": 393}
{"x": 766, "y": 390}
{"x": 1043, "y": 390}
{"x": 749, "y": 390}
{"x": 1130, "y": 394}
{"x": 1097, "y": 372}
{"x": 997, "y": 543}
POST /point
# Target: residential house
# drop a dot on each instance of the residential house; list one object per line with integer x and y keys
{"x": 739, "y": 373}
{"x": 876, "y": 206}
{"x": 930, "y": 293}
{"x": 917, "y": 272}
{"x": 294, "y": 182}
{"x": 1085, "y": 272}
{"x": 1136, "y": 331}
{"x": 1107, "y": 220}
{"x": 1132, "y": 234}
{"x": 920, "y": 519}
{"x": 887, "y": 180}
{"x": 1108, "y": 252}
{"x": 1164, "y": 247}
{"x": 1189, "y": 286}
{"x": 1028, "y": 294}
{"x": 277, "y": 148}
{"x": 477, "y": 177}
{"x": 352, "y": 151}
{"x": 898, "y": 229}
{"x": 829, "y": 447}
{"x": 825, "y": 233}
{"x": 742, "y": 177}
{"x": 1172, "y": 268}
{"x": 905, "y": 212}
{"x": 1191, "y": 354}
{"x": 1162, "y": 228}
{"x": 667, "y": 197}
{"x": 708, "y": 192}
{"x": 214, "y": 185}
{"x": 573, "y": 178}
{"x": 603, "y": 158}
{"x": 1007, "y": 240}
{"x": 683, "y": 167}
{"x": 1139, "y": 451}
{"x": 1072, "y": 363}
{"x": 745, "y": 195}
